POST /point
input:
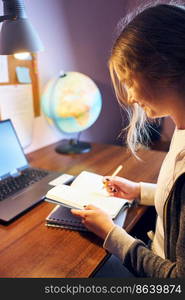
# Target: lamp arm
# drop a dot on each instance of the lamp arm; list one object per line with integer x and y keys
{"x": 7, "y": 17}
{"x": 13, "y": 9}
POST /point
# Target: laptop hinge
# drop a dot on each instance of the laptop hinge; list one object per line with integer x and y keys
{"x": 4, "y": 176}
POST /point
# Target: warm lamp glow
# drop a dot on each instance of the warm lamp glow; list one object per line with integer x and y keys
{"x": 22, "y": 56}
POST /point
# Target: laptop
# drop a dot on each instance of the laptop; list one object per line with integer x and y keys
{"x": 21, "y": 186}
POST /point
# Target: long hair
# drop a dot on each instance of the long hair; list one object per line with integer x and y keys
{"x": 152, "y": 44}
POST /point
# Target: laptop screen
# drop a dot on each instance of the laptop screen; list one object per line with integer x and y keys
{"x": 12, "y": 157}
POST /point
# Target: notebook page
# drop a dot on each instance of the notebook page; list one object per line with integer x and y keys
{"x": 111, "y": 205}
{"x": 89, "y": 182}
{"x": 67, "y": 195}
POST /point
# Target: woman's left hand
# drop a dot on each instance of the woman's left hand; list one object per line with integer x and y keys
{"x": 95, "y": 219}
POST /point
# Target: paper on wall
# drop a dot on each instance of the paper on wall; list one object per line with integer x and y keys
{"x": 16, "y": 103}
{"x": 4, "y": 69}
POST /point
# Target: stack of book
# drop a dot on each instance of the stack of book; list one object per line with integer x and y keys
{"x": 61, "y": 217}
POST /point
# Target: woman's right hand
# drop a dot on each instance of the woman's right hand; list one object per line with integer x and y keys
{"x": 122, "y": 187}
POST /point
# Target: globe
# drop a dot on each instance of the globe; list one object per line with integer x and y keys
{"x": 72, "y": 103}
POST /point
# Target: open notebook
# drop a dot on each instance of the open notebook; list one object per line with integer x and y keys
{"x": 87, "y": 188}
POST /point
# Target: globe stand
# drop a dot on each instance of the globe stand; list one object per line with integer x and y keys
{"x": 73, "y": 146}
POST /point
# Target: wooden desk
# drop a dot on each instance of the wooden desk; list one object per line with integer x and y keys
{"x": 29, "y": 249}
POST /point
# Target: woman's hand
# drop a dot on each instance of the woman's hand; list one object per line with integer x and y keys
{"x": 95, "y": 219}
{"x": 122, "y": 188}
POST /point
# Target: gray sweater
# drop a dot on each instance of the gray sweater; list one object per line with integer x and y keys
{"x": 142, "y": 262}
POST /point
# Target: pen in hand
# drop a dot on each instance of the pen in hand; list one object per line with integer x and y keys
{"x": 118, "y": 169}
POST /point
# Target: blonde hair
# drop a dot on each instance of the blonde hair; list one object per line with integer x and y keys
{"x": 136, "y": 129}
{"x": 151, "y": 44}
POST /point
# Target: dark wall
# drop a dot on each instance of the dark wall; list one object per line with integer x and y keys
{"x": 90, "y": 26}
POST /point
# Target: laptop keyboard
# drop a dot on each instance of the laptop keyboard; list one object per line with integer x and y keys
{"x": 11, "y": 185}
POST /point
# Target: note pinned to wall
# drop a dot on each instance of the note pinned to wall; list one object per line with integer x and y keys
{"x": 23, "y": 75}
{"x": 16, "y": 103}
{"x": 4, "y": 69}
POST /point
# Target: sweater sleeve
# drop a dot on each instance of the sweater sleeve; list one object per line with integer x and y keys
{"x": 136, "y": 256}
{"x": 142, "y": 261}
{"x": 118, "y": 241}
{"x": 147, "y": 193}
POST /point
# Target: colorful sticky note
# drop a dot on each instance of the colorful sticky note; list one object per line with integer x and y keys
{"x": 23, "y": 74}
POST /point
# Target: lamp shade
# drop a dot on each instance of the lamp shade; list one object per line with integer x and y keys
{"x": 19, "y": 36}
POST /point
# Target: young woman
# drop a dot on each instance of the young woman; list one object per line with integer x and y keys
{"x": 147, "y": 66}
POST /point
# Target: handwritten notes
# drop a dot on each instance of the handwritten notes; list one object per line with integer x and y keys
{"x": 16, "y": 103}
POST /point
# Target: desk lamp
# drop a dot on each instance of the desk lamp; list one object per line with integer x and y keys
{"x": 17, "y": 33}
